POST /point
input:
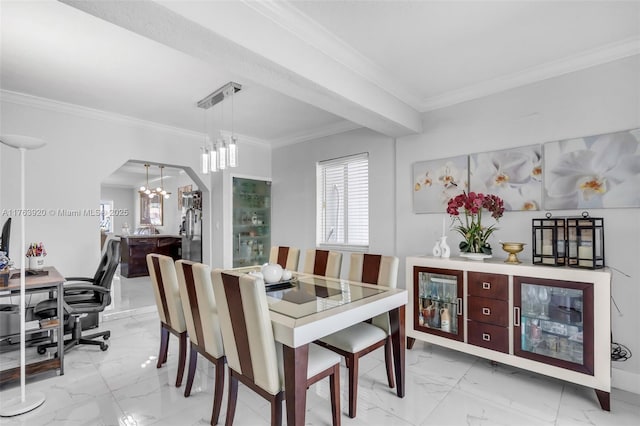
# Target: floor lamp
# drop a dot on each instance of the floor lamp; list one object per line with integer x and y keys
{"x": 22, "y": 404}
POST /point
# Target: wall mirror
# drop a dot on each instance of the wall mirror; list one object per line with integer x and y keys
{"x": 150, "y": 210}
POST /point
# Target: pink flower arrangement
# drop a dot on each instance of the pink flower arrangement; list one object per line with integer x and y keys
{"x": 474, "y": 234}
{"x": 36, "y": 250}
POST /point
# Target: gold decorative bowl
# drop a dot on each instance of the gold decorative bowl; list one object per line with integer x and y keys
{"x": 512, "y": 249}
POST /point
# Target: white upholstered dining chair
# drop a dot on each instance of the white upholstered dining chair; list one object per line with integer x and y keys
{"x": 362, "y": 338}
{"x": 253, "y": 356}
{"x": 162, "y": 271}
{"x": 203, "y": 326}
{"x": 287, "y": 257}
{"x": 323, "y": 262}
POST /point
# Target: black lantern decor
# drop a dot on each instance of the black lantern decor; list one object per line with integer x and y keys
{"x": 549, "y": 241}
{"x": 585, "y": 239}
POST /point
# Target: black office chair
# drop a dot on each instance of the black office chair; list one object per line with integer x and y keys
{"x": 84, "y": 296}
{"x": 4, "y": 237}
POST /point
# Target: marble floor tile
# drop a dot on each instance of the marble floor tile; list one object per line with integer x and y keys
{"x": 123, "y": 387}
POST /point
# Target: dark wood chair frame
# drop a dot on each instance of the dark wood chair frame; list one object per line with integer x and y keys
{"x": 277, "y": 399}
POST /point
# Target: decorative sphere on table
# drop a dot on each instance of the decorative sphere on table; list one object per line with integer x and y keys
{"x": 272, "y": 272}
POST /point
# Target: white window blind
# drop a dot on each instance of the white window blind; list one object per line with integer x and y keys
{"x": 343, "y": 201}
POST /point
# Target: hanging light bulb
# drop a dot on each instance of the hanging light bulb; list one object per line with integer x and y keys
{"x": 222, "y": 154}
{"x": 233, "y": 152}
{"x": 213, "y": 158}
{"x": 205, "y": 160}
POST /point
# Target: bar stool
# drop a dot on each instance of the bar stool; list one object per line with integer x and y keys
{"x": 165, "y": 287}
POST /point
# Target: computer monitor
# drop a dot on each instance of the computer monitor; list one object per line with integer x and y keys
{"x": 4, "y": 238}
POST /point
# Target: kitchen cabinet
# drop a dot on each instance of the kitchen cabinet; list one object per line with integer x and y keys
{"x": 538, "y": 318}
{"x": 251, "y": 215}
{"x": 134, "y": 250}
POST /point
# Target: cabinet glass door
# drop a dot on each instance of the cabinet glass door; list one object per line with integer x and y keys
{"x": 251, "y": 221}
{"x": 553, "y": 322}
{"x": 438, "y": 302}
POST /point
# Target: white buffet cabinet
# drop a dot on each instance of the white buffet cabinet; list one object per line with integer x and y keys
{"x": 538, "y": 318}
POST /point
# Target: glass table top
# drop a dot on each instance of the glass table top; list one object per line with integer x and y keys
{"x": 308, "y": 294}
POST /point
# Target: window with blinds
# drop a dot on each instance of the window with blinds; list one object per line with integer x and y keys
{"x": 343, "y": 201}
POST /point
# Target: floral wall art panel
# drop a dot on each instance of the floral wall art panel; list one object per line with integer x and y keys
{"x": 515, "y": 175}
{"x": 601, "y": 171}
{"x": 436, "y": 181}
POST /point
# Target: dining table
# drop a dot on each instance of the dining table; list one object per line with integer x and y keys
{"x": 309, "y": 307}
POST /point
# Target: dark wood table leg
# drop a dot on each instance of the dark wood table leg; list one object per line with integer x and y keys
{"x": 398, "y": 340}
{"x": 604, "y": 398}
{"x": 295, "y": 382}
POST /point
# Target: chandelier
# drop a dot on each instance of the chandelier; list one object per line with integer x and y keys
{"x": 159, "y": 191}
{"x": 223, "y": 152}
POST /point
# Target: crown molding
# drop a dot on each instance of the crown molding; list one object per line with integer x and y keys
{"x": 584, "y": 60}
{"x": 245, "y": 139}
{"x": 320, "y": 132}
{"x": 86, "y": 112}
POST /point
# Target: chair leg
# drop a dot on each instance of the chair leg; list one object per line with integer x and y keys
{"x": 182, "y": 357}
{"x": 334, "y": 384}
{"x": 276, "y": 409}
{"x": 217, "y": 390}
{"x": 232, "y": 399}
{"x": 193, "y": 363}
{"x": 164, "y": 346}
{"x": 388, "y": 360}
{"x": 353, "y": 384}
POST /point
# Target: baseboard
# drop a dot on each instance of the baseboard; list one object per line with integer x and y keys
{"x": 124, "y": 314}
{"x": 625, "y": 380}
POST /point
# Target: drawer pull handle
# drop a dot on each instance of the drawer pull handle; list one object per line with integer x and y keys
{"x": 486, "y": 311}
{"x": 486, "y": 337}
{"x": 486, "y": 286}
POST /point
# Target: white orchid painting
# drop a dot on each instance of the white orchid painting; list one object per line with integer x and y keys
{"x": 437, "y": 181}
{"x": 601, "y": 171}
{"x": 515, "y": 175}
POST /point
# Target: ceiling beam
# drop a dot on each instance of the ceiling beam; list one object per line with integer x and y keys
{"x": 269, "y": 48}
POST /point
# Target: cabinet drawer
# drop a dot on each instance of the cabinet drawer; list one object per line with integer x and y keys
{"x": 490, "y": 311}
{"x": 495, "y": 286}
{"x": 488, "y": 336}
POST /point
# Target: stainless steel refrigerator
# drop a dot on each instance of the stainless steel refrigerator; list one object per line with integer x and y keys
{"x": 191, "y": 228}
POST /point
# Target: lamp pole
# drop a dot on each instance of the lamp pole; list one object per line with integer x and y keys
{"x": 21, "y": 405}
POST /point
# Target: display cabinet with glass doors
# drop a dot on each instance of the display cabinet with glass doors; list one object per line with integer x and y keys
{"x": 251, "y": 221}
{"x": 438, "y": 302}
{"x": 550, "y": 320}
{"x": 553, "y": 322}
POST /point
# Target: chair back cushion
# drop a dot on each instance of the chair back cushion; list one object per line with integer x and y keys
{"x": 165, "y": 288}
{"x": 199, "y": 306}
{"x": 246, "y": 328}
{"x": 323, "y": 262}
{"x": 287, "y": 257}
{"x": 375, "y": 269}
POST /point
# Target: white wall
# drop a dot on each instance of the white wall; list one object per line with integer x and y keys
{"x": 294, "y": 191}
{"x": 598, "y": 100}
{"x": 84, "y": 147}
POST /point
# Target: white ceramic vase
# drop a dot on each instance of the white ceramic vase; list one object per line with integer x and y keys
{"x": 445, "y": 250}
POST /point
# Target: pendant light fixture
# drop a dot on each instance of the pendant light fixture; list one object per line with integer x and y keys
{"x": 159, "y": 191}
{"x": 221, "y": 154}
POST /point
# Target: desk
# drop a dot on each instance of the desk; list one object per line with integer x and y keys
{"x": 318, "y": 306}
{"x": 39, "y": 284}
